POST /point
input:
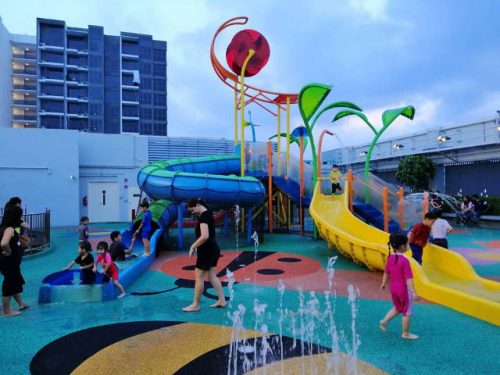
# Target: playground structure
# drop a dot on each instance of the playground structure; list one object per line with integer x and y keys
{"x": 274, "y": 183}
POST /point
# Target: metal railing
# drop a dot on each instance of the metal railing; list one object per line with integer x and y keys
{"x": 38, "y": 232}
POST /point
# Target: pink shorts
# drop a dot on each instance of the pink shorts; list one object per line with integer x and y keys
{"x": 403, "y": 301}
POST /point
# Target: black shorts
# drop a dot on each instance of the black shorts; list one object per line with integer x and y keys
{"x": 13, "y": 280}
{"x": 208, "y": 257}
{"x": 443, "y": 242}
{"x": 336, "y": 187}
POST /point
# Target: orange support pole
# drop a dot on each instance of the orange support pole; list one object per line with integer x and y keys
{"x": 401, "y": 208}
{"x": 385, "y": 205}
{"x": 350, "y": 180}
{"x": 426, "y": 202}
{"x": 270, "y": 184}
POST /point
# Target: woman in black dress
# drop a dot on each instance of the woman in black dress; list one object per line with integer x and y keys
{"x": 10, "y": 260}
{"x": 208, "y": 254}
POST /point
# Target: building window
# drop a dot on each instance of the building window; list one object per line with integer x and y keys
{"x": 160, "y": 85}
{"x": 145, "y": 98}
{"x": 159, "y": 54}
{"x": 146, "y": 128}
{"x": 145, "y": 68}
{"x": 160, "y": 114}
{"x": 160, "y": 99}
{"x": 159, "y": 70}
{"x": 145, "y": 113}
{"x": 130, "y": 126}
{"x": 146, "y": 83}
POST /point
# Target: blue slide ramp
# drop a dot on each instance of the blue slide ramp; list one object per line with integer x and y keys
{"x": 213, "y": 178}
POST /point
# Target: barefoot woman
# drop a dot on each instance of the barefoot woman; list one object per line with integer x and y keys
{"x": 208, "y": 254}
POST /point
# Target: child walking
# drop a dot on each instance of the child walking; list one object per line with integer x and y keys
{"x": 83, "y": 229}
{"x": 398, "y": 270}
{"x": 108, "y": 267}
{"x": 418, "y": 236}
{"x": 86, "y": 261}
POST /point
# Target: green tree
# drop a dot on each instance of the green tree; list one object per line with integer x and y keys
{"x": 416, "y": 171}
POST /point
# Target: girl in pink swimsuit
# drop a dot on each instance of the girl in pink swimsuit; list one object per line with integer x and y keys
{"x": 398, "y": 270}
{"x": 108, "y": 266}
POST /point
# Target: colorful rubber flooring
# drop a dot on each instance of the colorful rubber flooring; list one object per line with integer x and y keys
{"x": 279, "y": 319}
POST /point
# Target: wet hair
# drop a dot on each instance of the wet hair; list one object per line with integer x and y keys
{"x": 437, "y": 213}
{"x": 144, "y": 204}
{"x": 103, "y": 245}
{"x": 12, "y": 216}
{"x": 430, "y": 216}
{"x": 85, "y": 245}
{"x": 335, "y": 166}
{"x": 193, "y": 202}
{"x": 396, "y": 240}
{"x": 114, "y": 235}
{"x": 83, "y": 218}
{"x": 13, "y": 201}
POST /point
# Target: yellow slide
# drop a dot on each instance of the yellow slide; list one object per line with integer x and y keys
{"x": 446, "y": 277}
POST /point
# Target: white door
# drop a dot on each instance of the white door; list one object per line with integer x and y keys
{"x": 134, "y": 194}
{"x": 103, "y": 202}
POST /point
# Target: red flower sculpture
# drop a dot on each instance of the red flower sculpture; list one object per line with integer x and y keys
{"x": 237, "y": 52}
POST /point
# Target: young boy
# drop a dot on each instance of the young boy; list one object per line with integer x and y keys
{"x": 418, "y": 236}
{"x": 83, "y": 229}
{"x": 440, "y": 230}
{"x": 145, "y": 227}
{"x": 118, "y": 250}
{"x": 86, "y": 262}
{"x": 335, "y": 178}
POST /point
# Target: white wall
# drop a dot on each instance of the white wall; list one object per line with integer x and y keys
{"x": 111, "y": 158}
{"x": 5, "y": 77}
{"x": 37, "y": 165}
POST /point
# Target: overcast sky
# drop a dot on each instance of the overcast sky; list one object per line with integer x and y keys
{"x": 441, "y": 56}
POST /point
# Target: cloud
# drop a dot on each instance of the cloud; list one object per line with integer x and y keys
{"x": 376, "y": 53}
{"x": 375, "y": 9}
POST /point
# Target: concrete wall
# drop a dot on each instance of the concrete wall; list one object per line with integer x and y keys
{"x": 111, "y": 158}
{"x": 5, "y": 77}
{"x": 52, "y": 169}
{"x": 37, "y": 165}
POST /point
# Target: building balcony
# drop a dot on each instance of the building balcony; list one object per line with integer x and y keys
{"x": 22, "y": 58}
{"x": 77, "y": 83}
{"x": 130, "y": 102}
{"x": 24, "y": 88}
{"x": 46, "y": 47}
{"x": 77, "y": 51}
{"x": 24, "y": 118}
{"x": 24, "y": 103}
{"x": 77, "y": 67}
{"x": 78, "y": 115}
{"x": 131, "y": 118}
{"x": 51, "y": 79}
{"x": 130, "y": 56}
{"x": 46, "y": 95}
{"x": 24, "y": 124}
{"x": 51, "y": 63}
{"x": 24, "y": 72}
{"x": 130, "y": 87}
{"x": 81, "y": 99}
